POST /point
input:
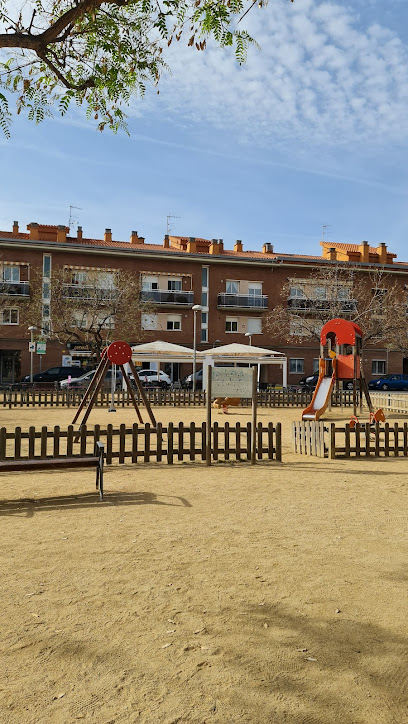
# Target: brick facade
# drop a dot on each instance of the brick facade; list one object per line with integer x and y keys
{"x": 183, "y": 259}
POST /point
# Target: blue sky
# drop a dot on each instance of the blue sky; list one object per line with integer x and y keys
{"x": 312, "y": 130}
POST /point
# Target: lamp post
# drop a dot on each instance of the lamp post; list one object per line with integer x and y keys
{"x": 31, "y": 330}
{"x": 196, "y": 308}
{"x": 248, "y": 334}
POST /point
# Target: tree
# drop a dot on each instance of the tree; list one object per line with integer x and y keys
{"x": 102, "y": 52}
{"x": 374, "y": 301}
{"x": 90, "y": 308}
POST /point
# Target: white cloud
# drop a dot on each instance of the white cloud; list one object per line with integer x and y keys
{"x": 320, "y": 78}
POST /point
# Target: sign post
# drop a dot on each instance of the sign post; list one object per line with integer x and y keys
{"x": 232, "y": 382}
{"x": 254, "y": 411}
{"x": 208, "y": 395}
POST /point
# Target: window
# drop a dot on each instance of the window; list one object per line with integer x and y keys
{"x": 231, "y": 324}
{"x": 10, "y": 316}
{"x": 79, "y": 277}
{"x": 106, "y": 280}
{"x": 204, "y": 299}
{"x": 296, "y": 293}
{"x": 316, "y": 365}
{"x": 149, "y": 283}
{"x": 255, "y": 289}
{"x": 204, "y": 335}
{"x": 320, "y": 292}
{"x": 149, "y": 321}
{"x": 297, "y": 328}
{"x": 378, "y": 367}
{"x": 11, "y": 274}
{"x": 174, "y": 285}
{"x": 47, "y": 266}
{"x": 343, "y": 293}
{"x": 204, "y": 276}
{"x": 46, "y": 290}
{"x": 254, "y": 325}
{"x": 296, "y": 366}
{"x": 232, "y": 287}
{"x": 174, "y": 322}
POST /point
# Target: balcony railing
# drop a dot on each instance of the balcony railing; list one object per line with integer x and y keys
{"x": 243, "y": 301}
{"x": 171, "y": 298}
{"x": 88, "y": 292}
{"x": 15, "y": 289}
{"x": 345, "y": 306}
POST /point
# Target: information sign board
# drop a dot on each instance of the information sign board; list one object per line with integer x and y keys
{"x": 231, "y": 382}
{"x": 41, "y": 347}
{"x": 67, "y": 360}
{"x": 31, "y": 346}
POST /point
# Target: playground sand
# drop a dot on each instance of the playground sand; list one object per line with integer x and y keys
{"x": 233, "y": 594}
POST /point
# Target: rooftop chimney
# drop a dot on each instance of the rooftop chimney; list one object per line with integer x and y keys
{"x": 61, "y": 233}
{"x": 364, "y": 249}
{"x": 191, "y": 245}
{"x": 33, "y": 229}
{"x": 215, "y": 246}
{"x": 79, "y": 233}
{"x": 108, "y": 235}
{"x": 135, "y": 239}
{"x": 238, "y": 246}
{"x": 382, "y": 253}
{"x": 267, "y": 248}
{"x": 166, "y": 242}
{"x": 15, "y": 227}
{"x": 332, "y": 254}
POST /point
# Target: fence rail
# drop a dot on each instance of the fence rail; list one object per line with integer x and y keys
{"x": 174, "y": 398}
{"x": 144, "y": 443}
{"x": 389, "y": 402}
{"x": 362, "y": 441}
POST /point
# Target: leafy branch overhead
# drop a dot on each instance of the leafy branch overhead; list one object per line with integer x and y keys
{"x": 101, "y": 53}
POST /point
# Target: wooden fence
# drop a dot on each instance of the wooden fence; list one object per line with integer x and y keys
{"x": 174, "y": 398}
{"x": 364, "y": 440}
{"x": 144, "y": 443}
{"x": 308, "y": 438}
{"x": 389, "y": 402}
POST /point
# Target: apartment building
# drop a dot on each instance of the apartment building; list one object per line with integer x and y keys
{"x": 234, "y": 287}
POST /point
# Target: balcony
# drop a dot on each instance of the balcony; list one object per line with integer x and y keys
{"x": 343, "y": 306}
{"x": 169, "y": 298}
{"x": 88, "y": 293}
{"x": 243, "y": 301}
{"x": 15, "y": 289}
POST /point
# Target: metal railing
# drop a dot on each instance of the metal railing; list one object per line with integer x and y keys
{"x": 171, "y": 297}
{"x": 88, "y": 292}
{"x": 15, "y": 289}
{"x": 243, "y": 301}
{"x": 298, "y": 304}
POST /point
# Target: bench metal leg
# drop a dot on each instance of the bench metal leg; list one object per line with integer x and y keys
{"x": 99, "y": 451}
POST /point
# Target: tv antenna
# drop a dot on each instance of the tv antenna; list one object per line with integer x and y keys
{"x": 325, "y": 226}
{"x": 73, "y": 217}
{"x": 168, "y": 226}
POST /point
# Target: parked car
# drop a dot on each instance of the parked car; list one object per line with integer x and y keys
{"x": 152, "y": 378}
{"x": 53, "y": 375}
{"x": 389, "y": 382}
{"x": 83, "y": 381}
{"x": 187, "y": 382}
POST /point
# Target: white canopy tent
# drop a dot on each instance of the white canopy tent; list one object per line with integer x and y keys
{"x": 160, "y": 352}
{"x": 243, "y": 354}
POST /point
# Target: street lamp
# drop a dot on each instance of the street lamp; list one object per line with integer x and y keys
{"x": 196, "y": 308}
{"x": 31, "y": 330}
{"x": 249, "y": 334}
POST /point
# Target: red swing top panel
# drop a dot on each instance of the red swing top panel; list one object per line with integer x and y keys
{"x": 346, "y": 332}
{"x": 119, "y": 353}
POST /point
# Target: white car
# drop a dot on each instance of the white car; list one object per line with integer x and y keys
{"x": 154, "y": 378}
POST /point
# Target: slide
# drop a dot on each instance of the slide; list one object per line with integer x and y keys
{"x": 320, "y": 398}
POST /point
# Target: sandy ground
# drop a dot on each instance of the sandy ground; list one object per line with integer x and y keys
{"x": 232, "y": 594}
